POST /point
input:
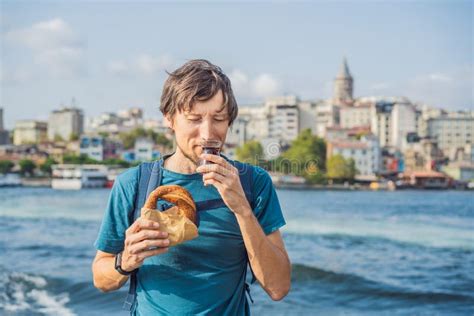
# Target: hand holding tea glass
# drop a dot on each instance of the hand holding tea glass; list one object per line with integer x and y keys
{"x": 218, "y": 172}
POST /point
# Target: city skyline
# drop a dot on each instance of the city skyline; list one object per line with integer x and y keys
{"x": 51, "y": 54}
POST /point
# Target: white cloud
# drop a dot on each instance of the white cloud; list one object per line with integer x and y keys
{"x": 265, "y": 85}
{"x": 18, "y": 76}
{"x": 118, "y": 67}
{"x": 440, "y": 77}
{"x": 44, "y": 35}
{"x": 62, "y": 62}
{"x": 262, "y": 86}
{"x": 239, "y": 79}
{"x": 449, "y": 90}
{"x": 142, "y": 65}
{"x": 54, "y": 46}
{"x": 434, "y": 77}
{"x": 149, "y": 65}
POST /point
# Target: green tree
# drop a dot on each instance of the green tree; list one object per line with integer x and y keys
{"x": 74, "y": 137}
{"x": 6, "y": 166}
{"x": 251, "y": 152}
{"x": 115, "y": 161}
{"x": 340, "y": 169}
{"x": 27, "y": 167}
{"x": 306, "y": 157}
{"x": 161, "y": 139}
{"x": 58, "y": 138}
{"x": 46, "y": 166}
{"x": 104, "y": 134}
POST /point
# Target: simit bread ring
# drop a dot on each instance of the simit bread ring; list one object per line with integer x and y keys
{"x": 174, "y": 194}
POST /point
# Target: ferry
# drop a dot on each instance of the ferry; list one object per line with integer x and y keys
{"x": 10, "y": 180}
{"x": 76, "y": 177}
{"x": 112, "y": 174}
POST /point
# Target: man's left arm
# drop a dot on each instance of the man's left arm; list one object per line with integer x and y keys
{"x": 267, "y": 255}
{"x": 268, "y": 258}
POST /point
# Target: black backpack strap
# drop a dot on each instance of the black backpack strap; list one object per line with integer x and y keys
{"x": 149, "y": 178}
{"x": 246, "y": 179}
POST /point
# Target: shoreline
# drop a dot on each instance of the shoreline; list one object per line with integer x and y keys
{"x": 319, "y": 187}
{"x": 46, "y": 183}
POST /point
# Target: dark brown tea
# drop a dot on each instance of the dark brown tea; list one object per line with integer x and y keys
{"x": 210, "y": 150}
{"x": 211, "y": 147}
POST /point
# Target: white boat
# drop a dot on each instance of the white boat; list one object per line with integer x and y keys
{"x": 76, "y": 177}
{"x": 10, "y": 180}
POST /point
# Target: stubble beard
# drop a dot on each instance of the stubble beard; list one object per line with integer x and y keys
{"x": 189, "y": 157}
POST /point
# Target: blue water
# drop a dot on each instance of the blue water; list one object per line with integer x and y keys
{"x": 353, "y": 253}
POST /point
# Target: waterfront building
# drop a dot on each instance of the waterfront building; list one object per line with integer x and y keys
{"x": 123, "y": 121}
{"x": 65, "y": 123}
{"x": 236, "y": 136}
{"x": 106, "y": 123}
{"x": 359, "y": 115}
{"x": 99, "y": 148}
{"x": 460, "y": 170}
{"x": 327, "y": 115}
{"x": 308, "y": 115}
{"x": 4, "y": 134}
{"x": 422, "y": 155}
{"x": 452, "y": 130}
{"x": 16, "y": 153}
{"x": 284, "y": 118}
{"x": 92, "y": 146}
{"x": 365, "y": 152}
{"x": 392, "y": 120}
{"x": 143, "y": 149}
{"x": 275, "y": 122}
{"x": 29, "y": 132}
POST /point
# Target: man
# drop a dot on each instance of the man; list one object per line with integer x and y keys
{"x": 205, "y": 275}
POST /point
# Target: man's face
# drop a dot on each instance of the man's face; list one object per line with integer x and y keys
{"x": 207, "y": 120}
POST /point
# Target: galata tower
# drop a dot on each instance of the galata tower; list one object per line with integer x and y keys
{"x": 343, "y": 86}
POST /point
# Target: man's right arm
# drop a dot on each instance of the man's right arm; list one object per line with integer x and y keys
{"x": 143, "y": 239}
{"x": 106, "y": 278}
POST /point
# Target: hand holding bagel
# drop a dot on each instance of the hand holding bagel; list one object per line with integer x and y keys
{"x": 143, "y": 239}
{"x": 180, "y": 220}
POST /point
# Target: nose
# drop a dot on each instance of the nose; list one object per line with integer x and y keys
{"x": 206, "y": 129}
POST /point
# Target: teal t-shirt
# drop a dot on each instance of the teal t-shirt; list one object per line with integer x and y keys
{"x": 204, "y": 276}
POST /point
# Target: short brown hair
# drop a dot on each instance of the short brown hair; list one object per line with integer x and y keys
{"x": 196, "y": 80}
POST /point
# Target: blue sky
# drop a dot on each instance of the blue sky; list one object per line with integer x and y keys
{"x": 111, "y": 55}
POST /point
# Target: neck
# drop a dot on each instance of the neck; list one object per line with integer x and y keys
{"x": 180, "y": 163}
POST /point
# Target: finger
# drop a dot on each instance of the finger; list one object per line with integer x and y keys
{"x": 147, "y": 245}
{"x": 147, "y": 224}
{"x": 132, "y": 228}
{"x": 219, "y": 186}
{"x": 145, "y": 235}
{"x": 215, "y": 168}
{"x": 215, "y": 176}
{"x": 150, "y": 253}
{"x": 141, "y": 223}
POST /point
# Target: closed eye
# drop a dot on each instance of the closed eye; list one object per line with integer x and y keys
{"x": 194, "y": 119}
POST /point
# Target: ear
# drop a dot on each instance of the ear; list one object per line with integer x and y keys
{"x": 168, "y": 121}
